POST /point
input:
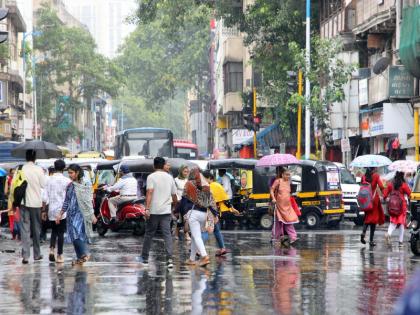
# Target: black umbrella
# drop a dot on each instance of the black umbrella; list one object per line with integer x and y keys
{"x": 43, "y": 149}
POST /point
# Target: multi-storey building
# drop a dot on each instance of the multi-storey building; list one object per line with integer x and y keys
{"x": 376, "y": 110}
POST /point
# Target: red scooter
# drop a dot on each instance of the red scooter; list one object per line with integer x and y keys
{"x": 130, "y": 216}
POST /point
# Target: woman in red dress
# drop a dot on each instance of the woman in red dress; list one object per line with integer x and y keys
{"x": 402, "y": 187}
{"x": 376, "y": 215}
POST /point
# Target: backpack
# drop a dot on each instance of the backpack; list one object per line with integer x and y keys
{"x": 365, "y": 197}
{"x": 19, "y": 187}
{"x": 395, "y": 203}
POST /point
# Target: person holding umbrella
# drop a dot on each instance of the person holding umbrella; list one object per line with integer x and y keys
{"x": 30, "y": 209}
{"x": 376, "y": 215}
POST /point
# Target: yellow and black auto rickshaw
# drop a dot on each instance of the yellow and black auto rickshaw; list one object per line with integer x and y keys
{"x": 318, "y": 192}
{"x": 414, "y": 216}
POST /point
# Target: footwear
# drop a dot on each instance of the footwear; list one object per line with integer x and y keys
{"x": 387, "y": 239}
{"x": 362, "y": 239}
{"x": 187, "y": 237}
{"x": 190, "y": 262}
{"x": 143, "y": 261}
{"x": 169, "y": 263}
{"x": 372, "y": 244}
{"x": 294, "y": 241}
{"x": 51, "y": 256}
{"x": 59, "y": 259}
{"x": 221, "y": 252}
{"x": 204, "y": 261}
{"x": 38, "y": 258}
{"x": 25, "y": 261}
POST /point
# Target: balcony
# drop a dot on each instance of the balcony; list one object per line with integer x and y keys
{"x": 374, "y": 15}
{"x": 233, "y": 48}
{"x": 232, "y": 103}
{"x": 16, "y": 16}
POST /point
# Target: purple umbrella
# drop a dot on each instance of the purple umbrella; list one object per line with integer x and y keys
{"x": 277, "y": 160}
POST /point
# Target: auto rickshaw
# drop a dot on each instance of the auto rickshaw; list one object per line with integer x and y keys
{"x": 414, "y": 225}
{"x": 318, "y": 192}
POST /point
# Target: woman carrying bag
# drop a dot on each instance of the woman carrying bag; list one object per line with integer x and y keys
{"x": 201, "y": 210}
{"x": 397, "y": 206}
{"x": 80, "y": 216}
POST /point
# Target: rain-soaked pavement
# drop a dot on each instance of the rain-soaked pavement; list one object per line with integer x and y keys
{"x": 328, "y": 272}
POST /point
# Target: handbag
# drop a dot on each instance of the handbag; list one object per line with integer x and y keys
{"x": 209, "y": 226}
{"x": 186, "y": 221}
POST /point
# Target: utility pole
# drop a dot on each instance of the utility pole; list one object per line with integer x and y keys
{"x": 307, "y": 83}
{"x": 254, "y": 114}
{"x": 299, "y": 122}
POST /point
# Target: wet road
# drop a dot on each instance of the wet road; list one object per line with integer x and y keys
{"x": 328, "y": 272}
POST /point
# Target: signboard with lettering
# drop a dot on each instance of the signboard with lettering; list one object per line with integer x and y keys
{"x": 401, "y": 82}
{"x": 372, "y": 123}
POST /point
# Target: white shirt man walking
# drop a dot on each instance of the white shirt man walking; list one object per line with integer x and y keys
{"x": 31, "y": 207}
{"x": 160, "y": 197}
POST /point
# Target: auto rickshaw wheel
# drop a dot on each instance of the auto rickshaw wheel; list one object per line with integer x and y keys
{"x": 312, "y": 220}
{"x": 266, "y": 221}
{"x": 415, "y": 244}
{"x": 100, "y": 227}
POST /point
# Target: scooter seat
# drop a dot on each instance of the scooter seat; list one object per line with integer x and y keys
{"x": 130, "y": 202}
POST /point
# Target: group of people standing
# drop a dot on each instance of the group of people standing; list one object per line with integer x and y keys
{"x": 65, "y": 202}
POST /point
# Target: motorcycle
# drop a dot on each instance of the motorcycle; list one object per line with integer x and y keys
{"x": 130, "y": 216}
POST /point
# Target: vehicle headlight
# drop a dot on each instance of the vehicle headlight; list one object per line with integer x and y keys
{"x": 414, "y": 224}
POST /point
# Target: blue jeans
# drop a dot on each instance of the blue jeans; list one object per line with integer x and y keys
{"x": 81, "y": 248}
{"x": 218, "y": 235}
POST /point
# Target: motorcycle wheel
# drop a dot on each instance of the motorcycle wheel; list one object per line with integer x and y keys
{"x": 415, "y": 244}
{"x": 100, "y": 227}
{"x": 139, "y": 228}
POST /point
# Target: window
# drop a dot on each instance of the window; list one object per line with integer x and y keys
{"x": 233, "y": 76}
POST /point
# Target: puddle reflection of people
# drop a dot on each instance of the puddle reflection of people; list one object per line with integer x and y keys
{"x": 198, "y": 285}
{"x": 78, "y": 299}
{"x": 30, "y": 291}
{"x": 286, "y": 278}
{"x": 372, "y": 280}
{"x": 409, "y": 303}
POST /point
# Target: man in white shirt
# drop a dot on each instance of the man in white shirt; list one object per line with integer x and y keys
{"x": 160, "y": 197}
{"x": 225, "y": 182}
{"x": 126, "y": 186}
{"x": 31, "y": 207}
{"x": 55, "y": 193}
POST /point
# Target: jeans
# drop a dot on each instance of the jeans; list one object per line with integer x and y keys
{"x": 164, "y": 220}
{"x": 30, "y": 224}
{"x": 81, "y": 248}
{"x": 196, "y": 221}
{"x": 57, "y": 234}
{"x": 218, "y": 235}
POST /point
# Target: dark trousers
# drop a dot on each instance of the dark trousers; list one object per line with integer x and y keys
{"x": 372, "y": 230}
{"x": 30, "y": 225}
{"x": 152, "y": 224}
{"x": 57, "y": 235}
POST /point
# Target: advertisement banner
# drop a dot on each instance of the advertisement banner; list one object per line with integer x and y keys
{"x": 372, "y": 123}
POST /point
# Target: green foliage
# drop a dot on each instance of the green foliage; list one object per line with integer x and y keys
{"x": 69, "y": 67}
{"x": 328, "y": 75}
{"x": 168, "y": 52}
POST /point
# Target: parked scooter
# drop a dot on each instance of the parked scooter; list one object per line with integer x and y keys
{"x": 130, "y": 216}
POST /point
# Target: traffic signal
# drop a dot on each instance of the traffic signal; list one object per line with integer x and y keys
{"x": 3, "y": 14}
{"x": 248, "y": 119}
{"x": 257, "y": 122}
{"x": 291, "y": 83}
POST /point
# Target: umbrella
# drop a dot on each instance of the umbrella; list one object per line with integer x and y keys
{"x": 405, "y": 166}
{"x": 43, "y": 149}
{"x": 370, "y": 160}
{"x": 3, "y": 172}
{"x": 277, "y": 160}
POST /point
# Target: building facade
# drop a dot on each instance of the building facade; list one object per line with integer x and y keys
{"x": 376, "y": 114}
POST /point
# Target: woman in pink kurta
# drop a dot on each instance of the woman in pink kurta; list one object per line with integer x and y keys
{"x": 284, "y": 214}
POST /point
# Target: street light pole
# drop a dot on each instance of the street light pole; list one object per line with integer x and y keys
{"x": 307, "y": 82}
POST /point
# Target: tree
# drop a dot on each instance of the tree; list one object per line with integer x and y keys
{"x": 70, "y": 67}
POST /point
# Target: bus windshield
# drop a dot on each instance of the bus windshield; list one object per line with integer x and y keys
{"x": 145, "y": 147}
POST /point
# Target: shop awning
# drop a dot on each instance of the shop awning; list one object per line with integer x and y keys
{"x": 410, "y": 40}
{"x": 272, "y": 136}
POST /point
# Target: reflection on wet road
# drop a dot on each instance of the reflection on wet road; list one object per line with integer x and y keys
{"x": 326, "y": 273}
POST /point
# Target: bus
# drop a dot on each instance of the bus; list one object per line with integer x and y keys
{"x": 185, "y": 149}
{"x": 146, "y": 141}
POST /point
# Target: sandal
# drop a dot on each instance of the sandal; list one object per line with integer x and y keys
{"x": 204, "y": 261}
{"x": 221, "y": 252}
